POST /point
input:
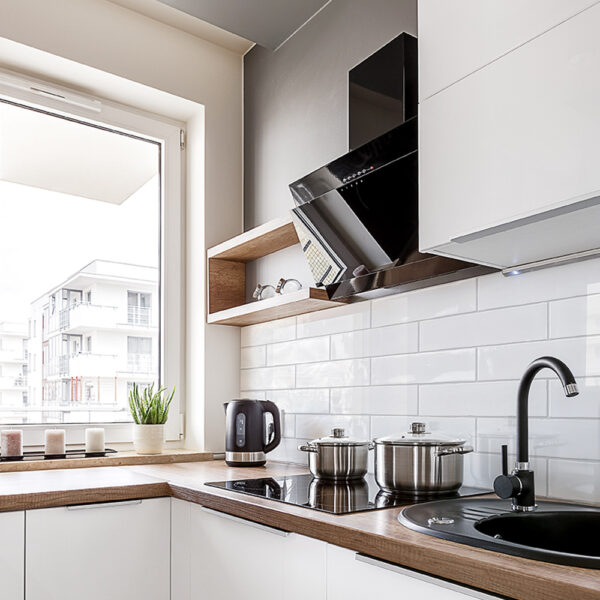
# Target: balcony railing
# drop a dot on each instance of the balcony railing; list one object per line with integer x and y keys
{"x": 139, "y": 363}
{"x": 139, "y": 315}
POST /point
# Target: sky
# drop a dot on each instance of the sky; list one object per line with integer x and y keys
{"x": 47, "y": 236}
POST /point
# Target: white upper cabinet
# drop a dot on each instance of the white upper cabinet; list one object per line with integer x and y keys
{"x": 116, "y": 551}
{"x": 509, "y": 164}
{"x": 458, "y": 37}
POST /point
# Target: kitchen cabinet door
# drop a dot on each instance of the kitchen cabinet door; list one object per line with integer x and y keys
{"x": 351, "y": 576}
{"x": 116, "y": 551}
{"x": 12, "y": 550}
{"x": 456, "y": 38}
{"x": 220, "y": 557}
{"x": 508, "y": 162}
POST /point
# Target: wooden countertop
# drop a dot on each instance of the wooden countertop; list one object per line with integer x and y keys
{"x": 376, "y": 533}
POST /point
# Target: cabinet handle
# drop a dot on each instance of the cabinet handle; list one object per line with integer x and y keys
{"x": 102, "y": 504}
{"x": 449, "y": 585}
{"x": 218, "y": 513}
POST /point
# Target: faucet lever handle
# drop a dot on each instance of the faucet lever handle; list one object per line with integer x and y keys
{"x": 504, "y": 459}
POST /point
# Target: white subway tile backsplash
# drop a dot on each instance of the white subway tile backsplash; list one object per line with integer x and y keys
{"x": 450, "y": 356}
{"x": 268, "y": 378}
{"x": 576, "y": 279}
{"x": 317, "y": 426}
{"x": 348, "y": 317}
{"x": 574, "y": 480}
{"x": 480, "y": 470}
{"x": 428, "y": 367}
{"x": 287, "y": 451}
{"x": 510, "y": 361}
{"x": 298, "y": 351}
{"x": 508, "y": 325}
{"x": 553, "y": 438}
{"x": 575, "y": 316}
{"x": 428, "y": 303}
{"x": 253, "y": 356}
{"x": 301, "y": 401}
{"x": 252, "y": 395}
{"x": 397, "y": 339}
{"x": 480, "y": 399}
{"x": 586, "y": 404}
{"x": 288, "y": 425}
{"x": 375, "y": 400}
{"x": 268, "y": 333}
{"x": 392, "y": 425}
{"x": 333, "y": 374}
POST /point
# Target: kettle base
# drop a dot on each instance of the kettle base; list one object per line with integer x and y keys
{"x": 245, "y": 459}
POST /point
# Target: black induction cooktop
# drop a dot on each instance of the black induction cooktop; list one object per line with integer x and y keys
{"x": 337, "y": 498}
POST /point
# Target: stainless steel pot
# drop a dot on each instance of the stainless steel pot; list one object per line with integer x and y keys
{"x": 337, "y": 457}
{"x": 419, "y": 462}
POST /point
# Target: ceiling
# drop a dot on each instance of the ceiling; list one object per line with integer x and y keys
{"x": 63, "y": 156}
{"x": 155, "y": 9}
{"x": 268, "y": 23}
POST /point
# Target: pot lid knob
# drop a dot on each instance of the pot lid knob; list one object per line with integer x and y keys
{"x": 338, "y": 432}
{"x": 417, "y": 427}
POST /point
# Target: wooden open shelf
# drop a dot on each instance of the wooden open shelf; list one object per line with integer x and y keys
{"x": 227, "y": 279}
{"x": 287, "y": 305}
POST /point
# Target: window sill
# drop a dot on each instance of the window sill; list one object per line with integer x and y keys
{"x": 127, "y": 457}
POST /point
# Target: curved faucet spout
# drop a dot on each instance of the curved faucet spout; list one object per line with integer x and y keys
{"x": 570, "y": 388}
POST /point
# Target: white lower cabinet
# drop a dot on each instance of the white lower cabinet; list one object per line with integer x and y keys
{"x": 351, "y": 576}
{"x": 12, "y": 549}
{"x": 219, "y": 557}
{"x": 110, "y": 551}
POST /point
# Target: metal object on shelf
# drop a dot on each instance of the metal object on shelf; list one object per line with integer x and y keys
{"x": 283, "y": 283}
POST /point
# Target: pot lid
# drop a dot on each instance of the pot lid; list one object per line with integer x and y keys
{"x": 419, "y": 436}
{"x": 338, "y": 437}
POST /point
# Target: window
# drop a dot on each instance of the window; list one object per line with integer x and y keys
{"x": 139, "y": 307}
{"x": 139, "y": 354}
{"x": 108, "y": 233}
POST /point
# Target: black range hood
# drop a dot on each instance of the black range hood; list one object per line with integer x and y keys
{"x": 357, "y": 217}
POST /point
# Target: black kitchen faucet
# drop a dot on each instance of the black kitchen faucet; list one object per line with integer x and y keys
{"x": 519, "y": 485}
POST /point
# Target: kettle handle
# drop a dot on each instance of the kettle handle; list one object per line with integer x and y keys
{"x": 271, "y": 407}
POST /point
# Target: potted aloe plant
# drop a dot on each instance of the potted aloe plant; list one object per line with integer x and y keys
{"x": 149, "y": 410}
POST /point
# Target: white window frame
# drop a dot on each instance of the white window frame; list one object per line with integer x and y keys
{"x": 168, "y": 133}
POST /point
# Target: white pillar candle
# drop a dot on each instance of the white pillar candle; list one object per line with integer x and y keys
{"x": 11, "y": 442}
{"x": 55, "y": 441}
{"x": 94, "y": 439}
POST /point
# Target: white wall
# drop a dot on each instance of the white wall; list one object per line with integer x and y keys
{"x": 451, "y": 356}
{"x": 141, "y": 62}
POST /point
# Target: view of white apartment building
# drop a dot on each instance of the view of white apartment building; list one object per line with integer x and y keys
{"x": 13, "y": 370}
{"x": 96, "y": 334}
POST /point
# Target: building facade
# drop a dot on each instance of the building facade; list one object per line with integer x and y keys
{"x": 96, "y": 334}
{"x": 14, "y": 395}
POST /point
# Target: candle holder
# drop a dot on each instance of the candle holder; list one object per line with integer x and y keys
{"x": 72, "y": 453}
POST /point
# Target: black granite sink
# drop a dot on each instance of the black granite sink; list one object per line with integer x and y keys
{"x": 560, "y": 533}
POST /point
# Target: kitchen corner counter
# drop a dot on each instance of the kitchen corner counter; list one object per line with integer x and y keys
{"x": 375, "y": 533}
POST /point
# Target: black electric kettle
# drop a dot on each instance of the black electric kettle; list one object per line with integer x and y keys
{"x": 248, "y": 436}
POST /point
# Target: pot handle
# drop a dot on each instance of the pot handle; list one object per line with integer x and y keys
{"x": 454, "y": 450}
{"x": 307, "y": 448}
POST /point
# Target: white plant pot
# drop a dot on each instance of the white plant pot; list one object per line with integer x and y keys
{"x": 148, "y": 439}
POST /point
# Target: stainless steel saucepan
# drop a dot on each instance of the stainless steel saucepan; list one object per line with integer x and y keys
{"x": 338, "y": 457}
{"x": 419, "y": 462}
